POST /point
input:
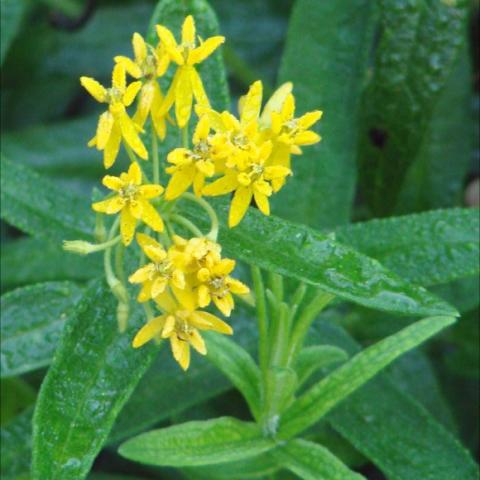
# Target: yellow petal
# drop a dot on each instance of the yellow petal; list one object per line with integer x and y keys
{"x": 181, "y": 351}
{"x": 201, "y": 130}
{"x": 166, "y": 302}
{"x": 185, "y": 296}
{"x": 169, "y": 326}
{"x": 104, "y": 129}
{"x": 148, "y": 331}
{"x": 237, "y": 287}
{"x": 136, "y": 209}
{"x": 145, "y": 293}
{"x": 109, "y": 206}
{"x": 205, "y": 49}
{"x": 127, "y": 226}
{"x": 112, "y": 147}
{"x": 170, "y": 45}
{"x": 129, "y": 133}
{"x": 150, "y": 191}
{"x": 129, "y": 65}
{"x": 151, "y": 217}
{"x": 142, "y": 274}
{"x": 238, "y": 208}
{"x": 95, "y": 89}
{"x": 183, "y": 97}
{"x": 198, "y": 89}
{"x": 113, "y": 183}
{"x": 288, "y": 108}
{"x": 203, "y": 295}
{"x": 139, "y": 47}
{"x": 276, "y": 122}
{"x": 144, "y": 103}
{"x": 134, "y": 174}
{"x": 197, "y": 342}
{"x": 131, "y": 93}
{"x": 119, "y": 79}
{"x": 252, "y": 103}
{"x": 275, "y": 102}
{"x": 178, "y": 279}
{"x": 158, "y": 119}
{"x": 211, "y": 322}
{"x": 179, "y": 183}
{"x": 222, "y": 186}
{"x": 262, "y": 187}
{"x": 156, "y": 253}
{"x": 188, "y": 30}
{"x": 224, "y": 267}
{"x": 306, "y": 138}
{"x": 224, "y": 304}
{"x": 307, "y": 120}
{"x": 158, "y": 286}
{"x": 262, "y": 202}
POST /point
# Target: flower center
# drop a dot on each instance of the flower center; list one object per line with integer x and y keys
{"x": 114, "y": 95}
{"x": 163, "y": 268}
{"x": 129, "y": 192}
{"x": 291, "y": 127}
{"x": 187, "y": 47}
{"x": 240, "y": 140}
{"x": 217, "y": 285}
{"x": 149, "y": 67}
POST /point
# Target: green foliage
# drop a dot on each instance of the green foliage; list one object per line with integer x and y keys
{"x": 30, "y": 329}
{"x": 198, "y": 443}
{"x": 326, "y": 41}
{"x": 12, "y": 14}
{"x": 92, "y": 375}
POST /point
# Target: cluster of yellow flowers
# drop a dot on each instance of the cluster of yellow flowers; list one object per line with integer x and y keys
{"x": 249, "y": 156}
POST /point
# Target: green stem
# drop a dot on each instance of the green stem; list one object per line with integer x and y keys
{"x": 187, "y": 224}
{"x": 119, "y": 267}
{"x": 156, "y": 164}
{"x": 114, "y": 283}
{"x": 279, "y": 337}
{"x": 276, "y": 285}
{"x": 134, "y": 159}
{"x": 306, "y": 318}
{"x": 213, "y": 233}
{"x": 262, "y": 318}
{"x": 184, "y": 136}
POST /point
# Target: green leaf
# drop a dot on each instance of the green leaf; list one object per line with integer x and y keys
{"x": 311, "y": 461}
{"x": 238, "y": 366}
{"x": 427, "y": 248}
{"x": 11, "y": 18}
{"x": 326, "y": 41}
{"x": 418, "y": 48}
{"x": 323, "y": 396}
{"x": 220, "y": 440}
{"x": 311, "y": 359}
{"x": 15, "y": 447}
{"x": 172, "y": 13}
{"x": 32, "y": 321}
{"x": 464, "y": 293}
{"x": 92, "y": 375}
{"x": 53, "y": 264}
{"x": 36, "y": 206}
{"x": 383, "y": 423}
{"x": 436, "y": 178}
{"x": 314, "y": 258}
{"x": 15, "y": 396}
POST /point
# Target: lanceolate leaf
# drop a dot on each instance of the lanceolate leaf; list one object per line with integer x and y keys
{"x": 93, "y": 373}
{"x": 311, "y": 461}
{"x": 418, "y": 49}
{"x": 326, "y": 41}
{"x": 221, "y": 440}
{"x": 238, "y": 366}
{"x": 32, "y": 321}
{"x": 36, "y": 206}
{"x": 15, "y": 447}
{"x": 428, "y": 248}
{"x": 323, "y": 396}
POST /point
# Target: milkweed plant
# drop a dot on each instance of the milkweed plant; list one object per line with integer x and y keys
{"x": 193, "y": 259}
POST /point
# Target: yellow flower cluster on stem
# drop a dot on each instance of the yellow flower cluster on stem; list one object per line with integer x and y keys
{"x": 248, "y": 157}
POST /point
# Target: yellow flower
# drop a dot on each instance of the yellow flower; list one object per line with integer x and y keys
{"x": 182, "y": 327}
{"x": 193, "y": 254}
{"x": 147, "y": 66}
{"x": 216, "y": 284}
{"x": 155, "y": 276}
{"x": 132, "y": 200}
{"x": 115, "y": 124}
{"x": 186, "y": 82}
{"x": 191, "y": 166}
{"x": 251, "y": 180}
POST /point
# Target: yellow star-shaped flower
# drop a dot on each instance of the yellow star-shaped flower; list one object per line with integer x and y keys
{"x": 148, "y": 64}
{"x": 181, "y": 326}
{"x": 132, "y": 200}
{"x": 186, "y": 83}
{"x": 115, "y": 124}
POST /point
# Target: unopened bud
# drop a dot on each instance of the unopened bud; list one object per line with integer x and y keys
{"x": 80, "y": 247}
{"x": 100, "y": 232}
{"x": 123, "y": 310}
{"x": 119, "y": 291}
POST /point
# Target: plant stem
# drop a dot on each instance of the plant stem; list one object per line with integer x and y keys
{"x": 119, "y": 268}
{"x": 279, "y": 337}
{"x": 155, "y": 165}
{"x": 184, "y": 136}
{"x": 306, "y": 318}
{"x": 213, "y": 233}
{"x": 187, "y": 224}
{"x": 262, "y": 318}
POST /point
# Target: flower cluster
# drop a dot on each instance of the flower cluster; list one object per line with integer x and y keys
{"x": 249, "y": 156}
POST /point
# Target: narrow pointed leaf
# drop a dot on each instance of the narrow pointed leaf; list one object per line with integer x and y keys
{"x": 92, "y": 375}
{"x": 221, "y": 440}
{"x": 311, "y": 461}
{"x": 32, "y": 321}
{"x": 323, "y": 396}
{"x": 238, "y": 366}
{"x": 326, "y": 41}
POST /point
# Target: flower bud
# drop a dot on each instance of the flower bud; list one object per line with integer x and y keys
{"x": 79, "y": 247}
